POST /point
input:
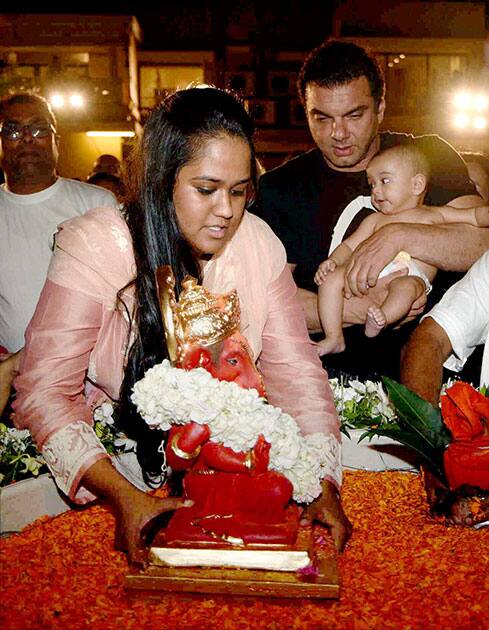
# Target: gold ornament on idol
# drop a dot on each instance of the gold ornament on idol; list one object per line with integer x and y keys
{"x": 183, "y": 454}
{"x": 199, "y": 317}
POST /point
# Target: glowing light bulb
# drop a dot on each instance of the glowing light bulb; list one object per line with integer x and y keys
{"x": 57, "y": 101}
{"x": 461, "y": 121}
{"x": 479, "y": 122}
{"x": 462, "y": 100}
{"x": 481, "y": 102}
{"x": 76, "y": 100}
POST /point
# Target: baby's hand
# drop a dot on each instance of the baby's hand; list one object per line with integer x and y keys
{"x": 324, "y": 268}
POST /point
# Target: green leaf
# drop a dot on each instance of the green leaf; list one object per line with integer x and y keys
{"x": 432, "y": 457}
{"x": 366, "y": 434}
{"x": 344, "y": 430}
{"x": 417, "y": 416}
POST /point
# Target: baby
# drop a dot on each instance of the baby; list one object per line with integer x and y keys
{"x": 398, "y": 177}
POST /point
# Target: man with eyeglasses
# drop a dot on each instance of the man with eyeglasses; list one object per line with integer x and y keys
{"x": 34, "y": 200}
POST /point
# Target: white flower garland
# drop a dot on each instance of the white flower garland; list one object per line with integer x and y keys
{"x": 236, "y": 417}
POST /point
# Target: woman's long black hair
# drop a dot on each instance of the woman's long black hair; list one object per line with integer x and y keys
{"x": 173, "y": 135}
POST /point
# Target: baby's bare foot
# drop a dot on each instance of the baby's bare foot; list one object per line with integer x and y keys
{"x": 331, "y": 345}
{"x": 375, "y": 322}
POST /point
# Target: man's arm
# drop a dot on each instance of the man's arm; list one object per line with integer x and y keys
{"x": 422, "y": 360}
{"x": 355, "y": 308}
{"x": 448, "y": 247}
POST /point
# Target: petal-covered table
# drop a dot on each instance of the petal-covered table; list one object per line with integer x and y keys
{"x": 401, "y": 569}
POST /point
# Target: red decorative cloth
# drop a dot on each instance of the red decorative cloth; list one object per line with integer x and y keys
{"x": 465, "y": 412}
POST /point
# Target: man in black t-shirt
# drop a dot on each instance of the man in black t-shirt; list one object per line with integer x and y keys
{"x": 316, "y": 199}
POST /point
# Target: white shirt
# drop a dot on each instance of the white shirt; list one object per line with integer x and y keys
{"x": 463, "y": 313}
{"x": 27, "y": 226}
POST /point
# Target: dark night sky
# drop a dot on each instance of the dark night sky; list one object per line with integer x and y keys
{"x": 173, "y": 24}
{"x": 207, "y": 24}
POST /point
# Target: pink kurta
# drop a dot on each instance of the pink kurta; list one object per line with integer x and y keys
{"x": 77, "y": 340}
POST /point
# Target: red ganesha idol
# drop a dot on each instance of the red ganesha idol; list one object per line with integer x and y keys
{"x": 237, "y": 498}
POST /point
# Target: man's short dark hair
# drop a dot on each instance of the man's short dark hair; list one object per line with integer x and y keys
{"x": 335, "y": 63}
{"x": 21, "y": 98}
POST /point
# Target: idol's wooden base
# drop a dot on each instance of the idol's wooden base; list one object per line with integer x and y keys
{"x": 234, "y": 581}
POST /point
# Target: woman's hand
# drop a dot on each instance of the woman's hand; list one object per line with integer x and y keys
{"x": 328, "y": 511}
{"x": 9, "y": 368}
{"x": 135, "y": 516}
{"x": 135, "y": 510}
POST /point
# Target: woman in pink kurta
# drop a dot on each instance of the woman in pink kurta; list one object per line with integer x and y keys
{"x": 90, "y": 324}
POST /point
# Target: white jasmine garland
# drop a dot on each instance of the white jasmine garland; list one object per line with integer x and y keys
{"x": 235, "y": 417}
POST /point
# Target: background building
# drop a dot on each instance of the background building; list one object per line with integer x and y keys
{"x": 111, "y": 72}
{"x": 435, "y": 57}
{"x": 86, "y": 65}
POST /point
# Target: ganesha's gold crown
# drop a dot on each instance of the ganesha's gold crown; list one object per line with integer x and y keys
{"x": 199, "y": 317}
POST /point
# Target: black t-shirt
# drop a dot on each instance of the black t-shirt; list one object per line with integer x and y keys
{"x": 302, "y": 201}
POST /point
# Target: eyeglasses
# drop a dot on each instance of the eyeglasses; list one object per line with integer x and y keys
{"x": 14, "y": 131}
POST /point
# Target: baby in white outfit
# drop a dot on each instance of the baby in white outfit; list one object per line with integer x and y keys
{"x": 398, "y": 177}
